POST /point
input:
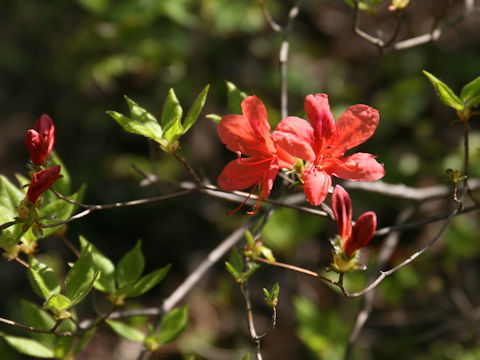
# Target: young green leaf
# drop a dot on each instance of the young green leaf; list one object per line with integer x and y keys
{"x": 106, "y": 281}
{"x": 235, "y": 97}
{"x": 195, "y": 110}
{"x": 236, "y": 275}
{"x": 172, "y": 325}
{"x": 43, "y": 279}
{"x": 246, "y": 356}
{"x": 214, "y": 117}
{"x": 253, "y": 267}
{"x": 126, "y": 331}
{"x": 445, "y": 94}
{"x": 146, "y": 282}
{"x": 29, "y": 347}
{"x": 172, "y": 117}
{"x": 140, "y": 122}
{"x": 130, "y": 267}
{"x": 58, "y": 303}
{"x": 236, "y": 260}
{"x": 470, "y": 94}
{"x": 80, "y": 278}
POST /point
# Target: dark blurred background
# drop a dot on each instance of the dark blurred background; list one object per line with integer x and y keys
{"x": 76, "y": 59}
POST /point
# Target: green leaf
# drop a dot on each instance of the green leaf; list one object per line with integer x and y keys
{"x": 80, "y": 278}
{"x": 470, "y": 94}
{"x": 235, "y": 98}
{"x": 38, "y": 283}
{"x": 445, "y": 94}
{"x": 39, "y": 319}
{"x": 29, "y": 347}
{"x": 171, "y": 117}
{"x": 246, "y": 356}
{"x": 10, "y": 196}
{"x": 126, "y": 331}
{"x": 106, "y": 281}
{"x": 195, "y": 110}
{"x": 58, "y": 303}
{"x": 130, "y": 267}
{"x": 62, "y": 185}
{"x": 147, "y": 282}
{"x": 172, "y": 325}
{"x": 250, "y": 271}
{"x": 236, "y": 275}
{"x": 140, "y": 122}
{"x": 236, "y": 260}
{"x": 43, "y": 279}
{"x": 214, "y": 117}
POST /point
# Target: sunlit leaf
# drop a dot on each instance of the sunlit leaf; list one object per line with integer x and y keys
{"x": 29, "y": 347}
{"x": 195, "y": 110}
{"x": 445, "y": 94}
{"x": 235, "y": 98}
{"x": 470, "y": 94}
{"x": 126, "y": 331}
{"x": 172, "y": 325}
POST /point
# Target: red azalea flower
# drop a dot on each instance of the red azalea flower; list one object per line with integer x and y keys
{"x": 351, "y": 238}
{"x": 41, "y": 182}
{"x": 39, "y": 140}
{"x": 323, "y": 144}
{"x": 249, "y": 134}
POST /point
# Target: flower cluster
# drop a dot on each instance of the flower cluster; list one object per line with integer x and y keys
{"x": 321, "y": 143}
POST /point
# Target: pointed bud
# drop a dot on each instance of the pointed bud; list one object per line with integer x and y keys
{"x": 39, "y": 140}
{"x": 362, "y": 233}
{"x": 41, "y": 182}
{"x": 342, "y": 210}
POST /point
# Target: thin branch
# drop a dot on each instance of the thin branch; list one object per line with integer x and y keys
{"x": 384, "y": 274}
{"x": 284, "y": 49}
{"x": 433, "y": 35}
{"x": 92, "y": 208}
{"x": 386, "y": 251}
{"x": 251, "y": 325}
{"x": 188, "y": 167}
{"x": 33, "y": 329}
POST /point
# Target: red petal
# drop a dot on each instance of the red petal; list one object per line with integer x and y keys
{"x": 41, "y": 182}
{"x": 45, "y": 127}
{"x": 33, "y": 143}
{"x": 256, "y": 114}
{"x": 362, "y": 232}
{"x": 357, "y": 167}
{"x": 295, "y": 136}
{"x": 342, "y": 210}
{"x": 321, "y": 118}
{"x": 238, "y": 136}
{"x": 241, "y": 173}
{"x": 354, "y": 126}
{"x": 316, "y": 186}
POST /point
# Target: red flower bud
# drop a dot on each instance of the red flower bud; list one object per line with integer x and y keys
{"x": 41, "y": 182}
{"x": 351, "y": 238}
{"x": 39, "y": 140}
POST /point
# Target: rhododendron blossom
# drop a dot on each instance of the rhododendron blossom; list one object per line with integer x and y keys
{"x": 39, "y": 140}
{"x": 249, "y": 135}
{"x": 323, "y": 143}
{"x": 351, "y": 238}
{"x": 41, "y": 182}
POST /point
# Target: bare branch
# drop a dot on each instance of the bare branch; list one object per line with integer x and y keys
{"x": 433, "y": 35}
